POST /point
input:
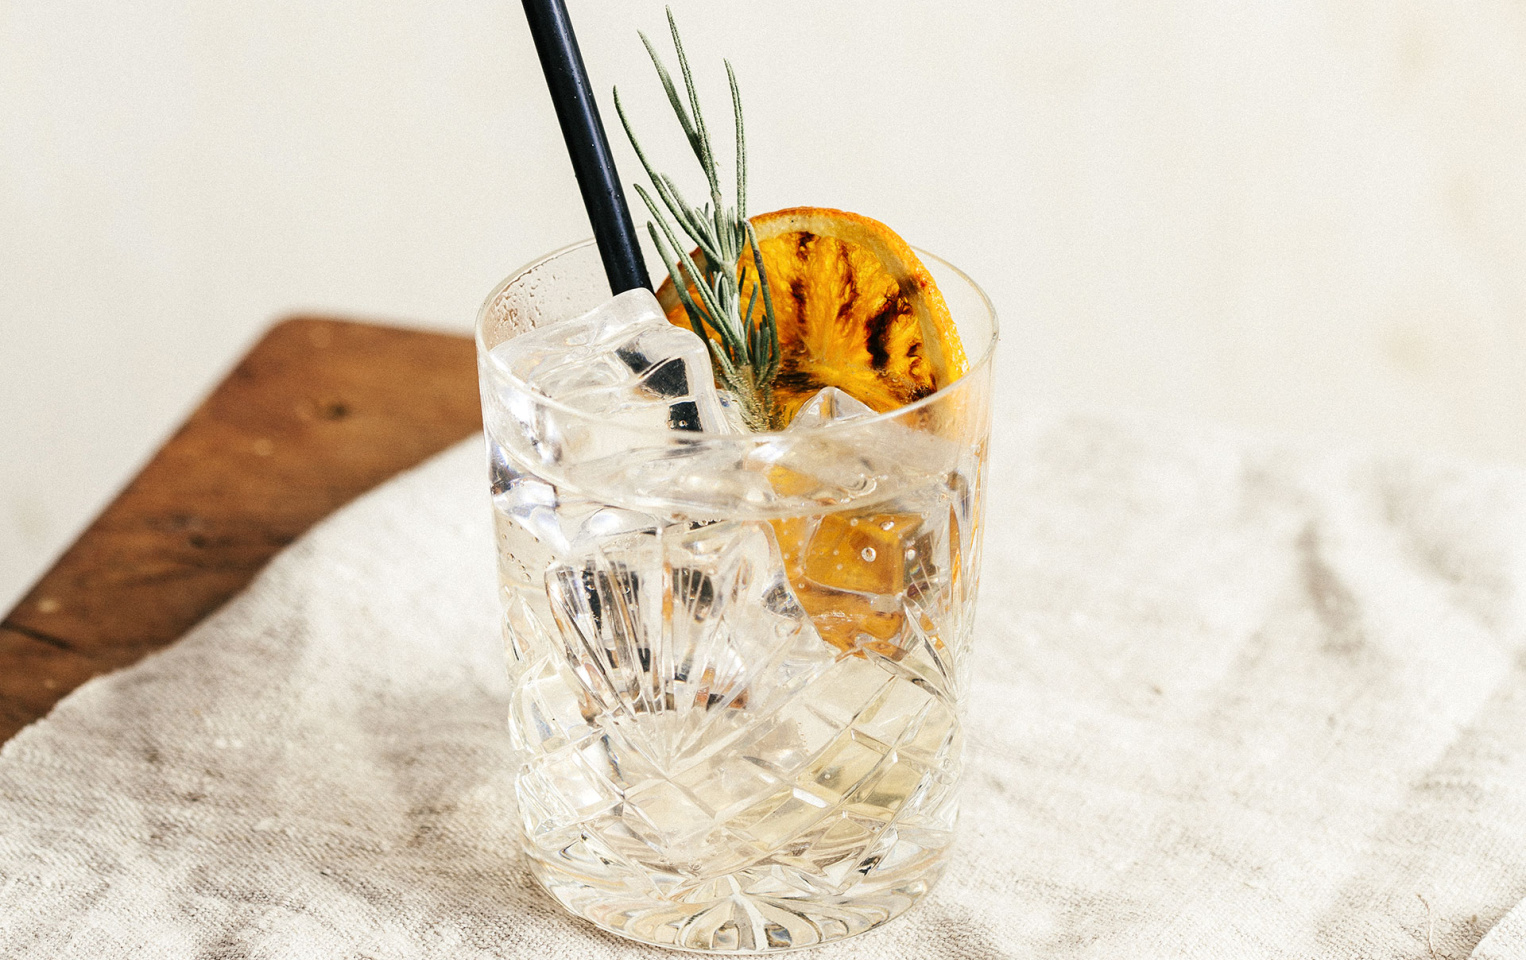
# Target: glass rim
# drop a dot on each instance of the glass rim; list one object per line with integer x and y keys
{"x": 484, "y": 354}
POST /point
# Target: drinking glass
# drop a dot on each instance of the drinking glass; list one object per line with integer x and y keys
{"x": 738, "y": 660}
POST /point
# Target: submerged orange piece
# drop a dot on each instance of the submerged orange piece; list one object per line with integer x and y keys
{"x": 855, "y": 310}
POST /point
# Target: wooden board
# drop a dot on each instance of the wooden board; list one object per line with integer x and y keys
{"x": 318, "y": 412}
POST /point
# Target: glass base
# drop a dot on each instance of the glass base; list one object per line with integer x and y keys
{"x": 748, "y": 912}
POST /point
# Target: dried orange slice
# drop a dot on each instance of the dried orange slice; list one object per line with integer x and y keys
{"x": 855, "y": 309}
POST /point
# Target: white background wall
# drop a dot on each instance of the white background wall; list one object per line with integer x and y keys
{"x": 1306, "y": 216}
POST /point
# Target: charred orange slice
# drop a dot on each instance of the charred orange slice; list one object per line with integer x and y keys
{"x": 855, "y": 310}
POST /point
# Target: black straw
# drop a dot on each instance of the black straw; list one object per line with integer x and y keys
{"x": 586, "y": 143}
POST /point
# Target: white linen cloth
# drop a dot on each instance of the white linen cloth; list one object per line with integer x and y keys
{"x": 1232, "y": 701}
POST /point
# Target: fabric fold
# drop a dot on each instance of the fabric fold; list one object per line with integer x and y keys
{"x": 1506, "y": 940}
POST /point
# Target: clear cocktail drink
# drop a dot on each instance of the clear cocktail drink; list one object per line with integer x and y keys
{"x": 738, "y": 659}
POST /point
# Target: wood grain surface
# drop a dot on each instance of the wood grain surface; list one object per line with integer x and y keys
{"x": 317, "y": 413}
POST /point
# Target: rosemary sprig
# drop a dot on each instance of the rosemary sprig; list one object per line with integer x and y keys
{"x": 745, "y": 348}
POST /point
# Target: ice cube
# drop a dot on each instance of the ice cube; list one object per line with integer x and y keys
{"x": 836, "y": 466}
{"x": 558, "y": 521}
{"x": 829, "y": 405}
{"x": 739, "y": 636}
{"x": 887, "y": 578}
{"x": 623, "y": 367}
{"x": 708, "y": 479}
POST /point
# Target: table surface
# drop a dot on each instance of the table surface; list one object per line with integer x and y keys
{"x": 318, "y": 412}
